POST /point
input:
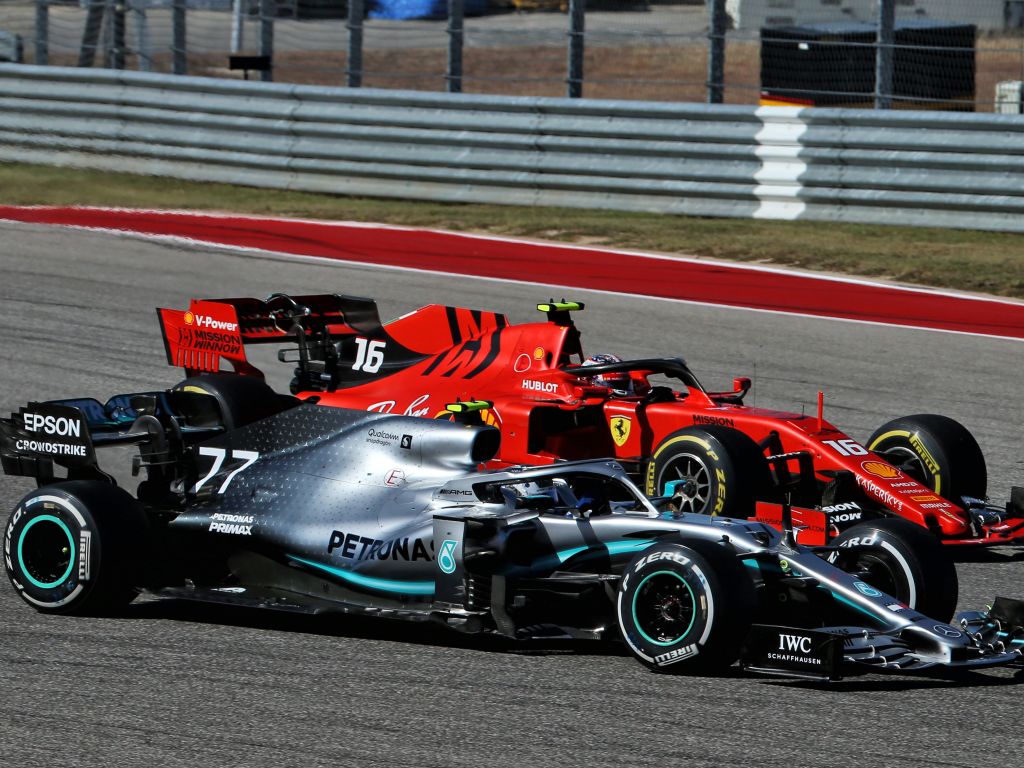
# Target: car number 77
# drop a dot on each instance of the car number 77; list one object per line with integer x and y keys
{"x": 219, "y": 454}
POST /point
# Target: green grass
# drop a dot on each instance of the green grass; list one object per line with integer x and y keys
{"x": 975, "y": 261}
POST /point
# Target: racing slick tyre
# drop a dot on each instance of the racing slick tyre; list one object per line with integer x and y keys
{"x": 936, "y": 451}
{"x": 685, "y": 607}
{"x": 241, "y": 399}
{"x": 901, "y": 559}
{"x": 723, "y": 472}
{"x": 76, "y": 547}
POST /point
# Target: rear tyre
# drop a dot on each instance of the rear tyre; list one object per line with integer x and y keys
{"x": 685, "y": 607}
{"x": 241, "y": 400}
{"x": 717, "y": 470}
{"x": 936, "y": 451}
{"x": 76, "y": 547}
{"x": 901, "y": 559}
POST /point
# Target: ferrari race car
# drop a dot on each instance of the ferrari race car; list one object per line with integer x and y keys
{"x": 313, "y": 508}
{"x": 707, "y": 450}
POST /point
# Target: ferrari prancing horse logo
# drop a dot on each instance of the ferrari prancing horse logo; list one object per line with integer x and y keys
{"x": 620, "y": 429}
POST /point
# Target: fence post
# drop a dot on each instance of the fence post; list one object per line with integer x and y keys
{"x": 42, "y": 32}
{"x": 716, "y": 51}
{"x": 453, "y": 78}
{"x": 142, "y": 34}
{"x": 237, "y": 26}
{"x": 884, "y": 51}
{"x": 354, "y": 60}
{"x": 118, "y": 44}
{"x": 179, "y": 49}
{"x": 267, "y": 10}
{"x": 577, "y": 13}
{"x": 91, "y": 32}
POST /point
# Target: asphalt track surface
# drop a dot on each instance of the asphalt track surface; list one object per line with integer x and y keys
{"x": 669, "y": 277}
{"x": 172, "y": 684}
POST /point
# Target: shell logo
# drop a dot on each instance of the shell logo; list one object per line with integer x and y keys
{"x": 189, "y": 318}
{"x": 880, "y": 469}
{"x": 538, "y": 353}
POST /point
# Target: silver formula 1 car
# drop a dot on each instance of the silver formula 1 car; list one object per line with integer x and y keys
{"x": 254, "y": 498}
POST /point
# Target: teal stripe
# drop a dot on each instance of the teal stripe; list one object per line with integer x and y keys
{"x": 71, "y": 544}
{"x": 852, "y": 604}
{"x": 371, "y": 582}
{"x": 612, "y": 548}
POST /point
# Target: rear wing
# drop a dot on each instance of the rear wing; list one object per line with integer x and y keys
{"x": 213, "y": 331}
{"x": 339, "y": 340}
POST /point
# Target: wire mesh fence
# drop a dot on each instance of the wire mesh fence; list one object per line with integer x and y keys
{"x": 920, "y": 54}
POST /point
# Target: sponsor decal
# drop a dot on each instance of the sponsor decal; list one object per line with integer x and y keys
{"x": 523, "y": 363}
{"x": 847, "y": 506}
{"x": 52, "y": 425}
{"x": 212, "y": 323}
{"x": 784, "y": 565}
{"x": 407, "y": 442}
{"x": 352, "y": 546}
{"x": 846, "y": 517}
{"x": 909, "y": 484}
{"x": 937, "y": 505}
{"x": 896, "y": 607}
{"x": 881, "y": 469}
{"x": 664, "y": 659}
{"x": 794, "y": 643}
{"x": 395, "y": 478}
{"x": 886, "y": 497}
{"x": 454, "y": 492}
{"x": 721, "y": 421}
{"x": 538, "y": 353}
{"x": 548, "y": 387}
{"x": 238, "y": 525}
{"x": 720, "y": 501}
{"x": 446, "y": 556}
{"x": 926, "y": 497}
{"x": 380, "y": 437}
{"x": 656, "y": 556}
{"x": 926, "y": 456}
{"x": 413, "y": 409}
{"x": 84, "y": 554}
{"x": 946, "y": 631}
{"x": 620, "y": 426}
{"x": 866, "y": 589}
{"x": 53, "y": 431}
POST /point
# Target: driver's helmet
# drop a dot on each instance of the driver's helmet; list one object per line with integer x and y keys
{"x": 619, "y": 382}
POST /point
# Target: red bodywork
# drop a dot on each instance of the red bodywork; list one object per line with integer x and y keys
{"x": 546, "y": 411}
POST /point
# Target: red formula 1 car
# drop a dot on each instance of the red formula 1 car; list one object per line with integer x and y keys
{"x": 706, "y": 450}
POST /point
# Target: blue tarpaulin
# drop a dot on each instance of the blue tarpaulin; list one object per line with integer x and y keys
{"x": 422, "y": 9}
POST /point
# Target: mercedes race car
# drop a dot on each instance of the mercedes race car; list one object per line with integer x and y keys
{"x": 314, "y": 508}
{"x": 708, "y": 450}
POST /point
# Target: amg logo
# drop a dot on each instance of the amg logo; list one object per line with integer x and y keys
{"x": 794, "y": 643}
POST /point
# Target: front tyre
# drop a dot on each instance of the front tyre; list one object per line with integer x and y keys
{"x": 901, "y": 559}
{"x": 936, "y": 451}
{"x": 75, "y": 548}
{"x": 685, "y": 607}
{"x": 710, "y": 471}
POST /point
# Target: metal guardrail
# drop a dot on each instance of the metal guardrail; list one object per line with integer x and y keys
{"x": 921, "y": 168}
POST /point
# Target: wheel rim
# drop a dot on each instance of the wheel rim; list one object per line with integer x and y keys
{"x": 694, "y": 493}
{"x": 46, "y": 551}
{"x": 664, "y": 608}
{"x": 877, "y": 571}
{"x": 908, "y": 462}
